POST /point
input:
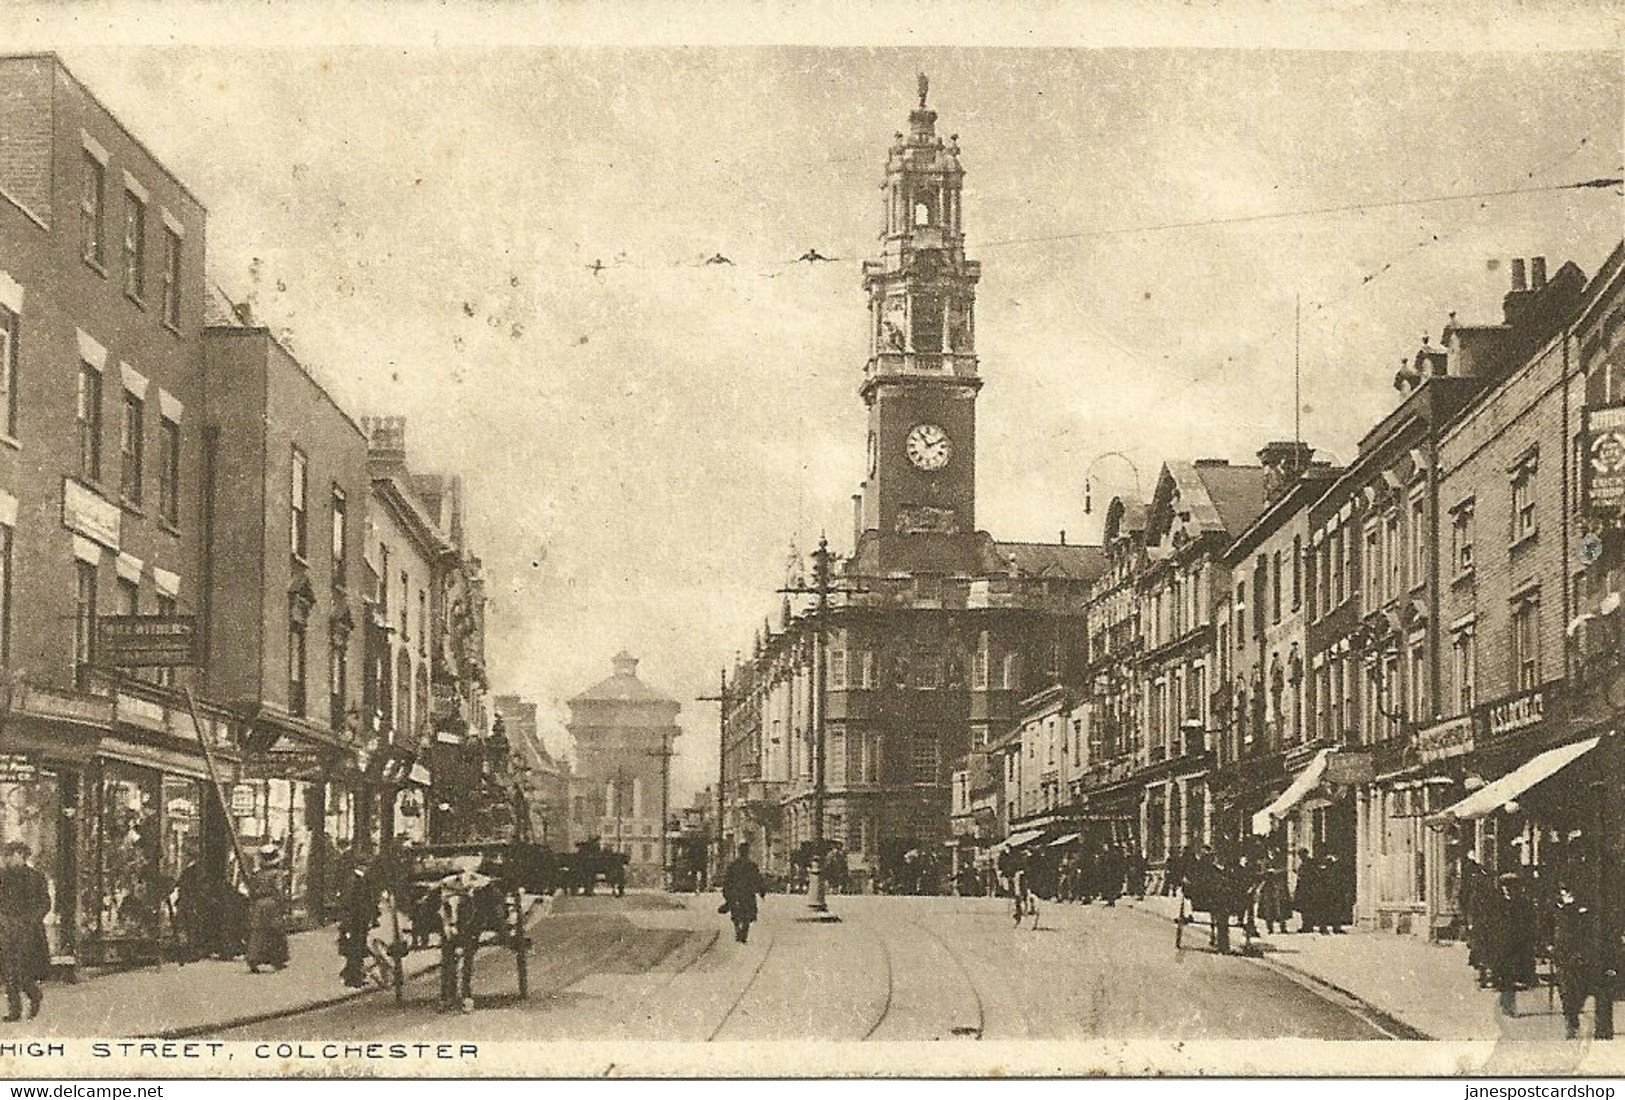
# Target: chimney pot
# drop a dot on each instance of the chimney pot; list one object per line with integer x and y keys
{"x": 1519, "y": 282}
{"x": 1537, "y": 272}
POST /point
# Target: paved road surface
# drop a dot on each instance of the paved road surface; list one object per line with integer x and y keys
{"x": 656, "y": 967}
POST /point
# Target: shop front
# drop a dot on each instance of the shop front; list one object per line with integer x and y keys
{"x": 296, "y": 793}
{"x": 149, "y": 813}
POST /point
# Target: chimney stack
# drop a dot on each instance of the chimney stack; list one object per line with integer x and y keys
{"x": 1537, "y": 272}
{"x": 1519, "y": 283}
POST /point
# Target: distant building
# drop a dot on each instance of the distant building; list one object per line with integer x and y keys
{"x": 619, "y": 794}
{"x": 544, "y": 778}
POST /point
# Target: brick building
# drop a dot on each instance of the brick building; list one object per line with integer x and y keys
{"x": 285, "y": 494}
{"x": 1269, "y": 733}
{"x": 101, "y": 444}
{"x": 544, "y": 778}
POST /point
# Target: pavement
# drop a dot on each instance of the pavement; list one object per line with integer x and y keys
{"x": 172, "y": 999}
{"x": 1426, "y": 987}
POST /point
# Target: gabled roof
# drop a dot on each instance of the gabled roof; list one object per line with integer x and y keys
{"x": 1048, "y": 559}
{"x": 1207, "y": 497}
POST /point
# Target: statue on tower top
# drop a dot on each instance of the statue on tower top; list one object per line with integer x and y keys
{"x": 925, "y": 86}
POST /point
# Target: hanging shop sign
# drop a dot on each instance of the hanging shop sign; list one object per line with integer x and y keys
{"x": 16, "y": 767}
{"x": 1450, "y": 738}
{"x": 146, "y": 641}
{"x": 1604, "y": 473}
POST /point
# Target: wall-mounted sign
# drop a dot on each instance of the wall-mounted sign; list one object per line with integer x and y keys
{"x": 243, "y": 800}
{"x": 1350, "y": 769}
{"x": 146, "y": 641}
{"x": 16, "y": 767}
{"x": 87, "y": 514}
{"x": 1516, "y": 713}
{"x": 286, "y": 764}
{"x": 1604, "y": 473}
{"x": 1453, "y": 737}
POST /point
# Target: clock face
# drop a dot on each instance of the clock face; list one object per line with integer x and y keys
{"x": 928, "y": 447}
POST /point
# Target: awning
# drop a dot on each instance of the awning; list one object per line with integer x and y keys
{"x": 1493, "y": 796}
{"x": 1298, "y": 790}
{"x": 1021, "y": 840}
{"x": 1067, "y": 839}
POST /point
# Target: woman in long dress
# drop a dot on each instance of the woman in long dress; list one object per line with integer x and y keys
{"x": 268, "y": 913}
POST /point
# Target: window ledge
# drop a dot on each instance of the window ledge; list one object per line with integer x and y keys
{"x": 1524, "y": 540}
{"x": 173, "y": 328}
{"x": 131, "y": 507}
{"x": 1466, "y": 576}
{"x": 166, "y": 525}
{"x": 95, "y": 265}
{"x": 135, "y": 299}
{"x": 11, "y": 441}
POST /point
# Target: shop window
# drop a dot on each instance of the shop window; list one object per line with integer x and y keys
{"x": 131, "y": 848}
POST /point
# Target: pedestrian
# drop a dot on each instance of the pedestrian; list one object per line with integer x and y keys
{"x": 1306, "y": 898}
{"x": 358, "y": 913}
{"x": 25, "y": 956}
{"x": 1510, "y": 946}
{"x": 1023, "y": 903}
{"x": 268, "y": 913}
{"x": 741, "y": 885}
{"x": 1114, "y": 869}
{"x": 1337, "y": 893}
{"x": 196, "y": 912}
{"x": 1136, "y": 870}
{"x": 1581, "y": 958}
{"x": 1274, "y": 900}
{"x": 1473, "y": 895}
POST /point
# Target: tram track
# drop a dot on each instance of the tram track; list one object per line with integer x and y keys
{"x": 964, "y": 972}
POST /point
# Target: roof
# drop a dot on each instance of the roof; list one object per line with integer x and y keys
{"x": 219, "y": 311}
{"x": 1049, "y": 559}
{"x": 623, "y": 687}
{"x": 1239, "y": 494}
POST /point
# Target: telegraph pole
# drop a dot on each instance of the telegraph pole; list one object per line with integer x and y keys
{"x": 665, "y": 752}
{"x": 722, "y": 699}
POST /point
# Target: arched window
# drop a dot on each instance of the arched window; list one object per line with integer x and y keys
{"x": 923, "y": 214}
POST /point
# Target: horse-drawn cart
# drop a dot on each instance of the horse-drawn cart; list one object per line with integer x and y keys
{"x": 468, "y": 895}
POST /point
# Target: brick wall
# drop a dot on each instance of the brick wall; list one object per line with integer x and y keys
{"x": 25, "y": 134}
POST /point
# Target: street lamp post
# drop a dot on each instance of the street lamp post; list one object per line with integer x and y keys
{"x": 722, "y": 700}
{"x": 822, "y": 589}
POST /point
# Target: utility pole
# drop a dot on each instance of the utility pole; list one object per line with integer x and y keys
{"x": 723, "y": 700}
{"x": 822, "y": 589}
{"x": 665, "y": 752}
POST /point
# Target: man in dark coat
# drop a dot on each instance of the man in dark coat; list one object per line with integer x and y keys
{"x": 358, "y": 912}
{"x": 25, "y": 956}
{"x": 1472, "y": 895}
{"x": 1307, "y": 898}
{"x": 741, "y": 885}
{"x": 1510, "y": 945}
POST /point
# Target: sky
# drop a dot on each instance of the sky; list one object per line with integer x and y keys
{"x": 644, "y": 445}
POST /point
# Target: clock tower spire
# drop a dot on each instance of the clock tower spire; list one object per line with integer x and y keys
{"x": 921, "y": 378}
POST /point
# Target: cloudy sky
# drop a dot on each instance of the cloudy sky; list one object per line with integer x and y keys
{"x": 644, "y": 444}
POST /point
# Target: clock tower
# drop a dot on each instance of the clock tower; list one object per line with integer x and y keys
{"x": 921, "y": 379}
